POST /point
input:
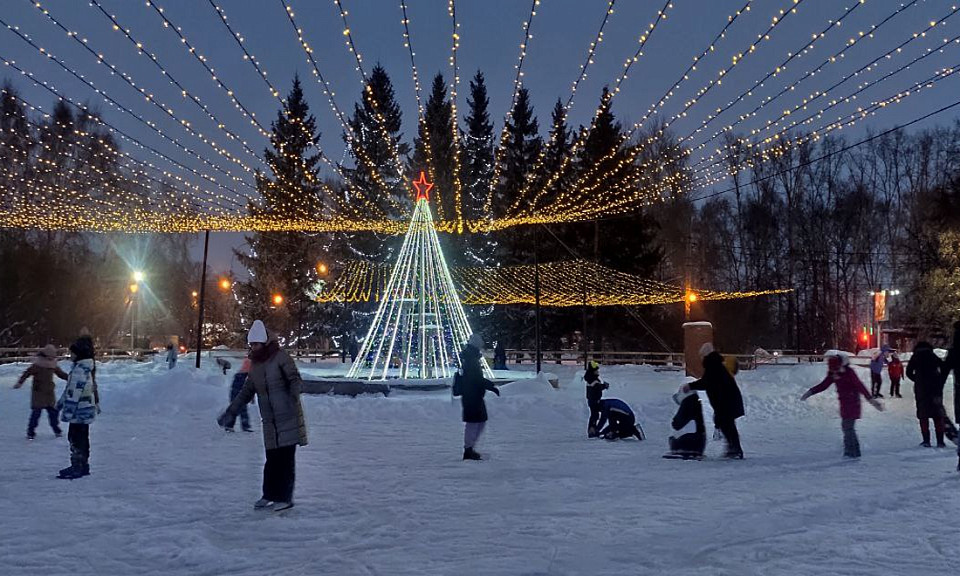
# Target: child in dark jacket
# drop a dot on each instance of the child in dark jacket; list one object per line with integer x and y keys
{"x": 688, "y": 421}
{"x": 235, "y": 387}
{"x": 895, "y": 370}
{"x": 849, "y": 391}
{"x": 43, "y": 396}
{"x": 617, "y": 420}
{"x": 595, "y": 388}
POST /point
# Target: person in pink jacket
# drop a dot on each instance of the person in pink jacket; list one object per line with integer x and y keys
{"x": 849, "y": 391}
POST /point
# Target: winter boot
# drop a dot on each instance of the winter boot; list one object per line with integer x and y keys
{"x": 262, "y": 504}
{"x": 31, "y": 435}
{"x": 281, "y": 506}
{"x": 733, "y": 455}
{"x": 247, "y": 429}
{"x": 471, "y": 454}
{"x": 69, "y": 473}
{"x": 925, "y": 444}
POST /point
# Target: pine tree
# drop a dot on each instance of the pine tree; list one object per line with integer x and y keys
{"x": 438, "y": 124}
{"x": 477, "y": 172}
{"x": 281, "y": 263}
{"x": 16, "y": 147}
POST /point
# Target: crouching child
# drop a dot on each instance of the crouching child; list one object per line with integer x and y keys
{"x": 691, "y": 438}
{"x": 595, "y": 388}
{"x": 617, "y": 420}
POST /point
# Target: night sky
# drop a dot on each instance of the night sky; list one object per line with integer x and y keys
{"x": 491, "y": 31}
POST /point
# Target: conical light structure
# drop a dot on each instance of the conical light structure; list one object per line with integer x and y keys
{"x": 420, "y": 326}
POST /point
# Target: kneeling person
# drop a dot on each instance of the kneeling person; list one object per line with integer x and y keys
{"x": 617, "y": 420}
{"x": 688, "y": 422}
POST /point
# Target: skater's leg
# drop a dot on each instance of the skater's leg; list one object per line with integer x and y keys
{"x": 244, "y": 418}
{"x": 730, "y": 432}
{"x": 925, "y": 430}
{"x": 53, "y": 417}
{"x": 79, "y": 436}
{"x": 594, "y": 417}
{"x": 32, "y": 423}
{"x": 286, "y": 473}
{"x": 851, "y": 444}
{"x": 938, "y": 430}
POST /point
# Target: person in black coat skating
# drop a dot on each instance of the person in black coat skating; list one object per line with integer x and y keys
{"x": 724, "y": 396}
{"x": 689, "y": 422}
{"x": 595, "y": 388}
{"x": 617, "y": 420}
{"x": 472, "y": 386}
{"x": 953, "y": 363}
{"x": 927, "y": 372}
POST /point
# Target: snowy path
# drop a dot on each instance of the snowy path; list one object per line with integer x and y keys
{"x": 381, "y": 488}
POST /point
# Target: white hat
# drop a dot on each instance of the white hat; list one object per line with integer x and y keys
{"x": 258, "y": 333}
{"x": 706, "y": 350}
{"x": 682, "y": 395}
{"x": 476, "y": 340}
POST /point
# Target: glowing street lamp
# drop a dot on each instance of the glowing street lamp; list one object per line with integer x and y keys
{"x": 277, "y": 299}
{"x": 322, "y": 269}
{"x": 225, "y": 284}
{"x": 138, "y": 276}
{"x": 134, "y": 288}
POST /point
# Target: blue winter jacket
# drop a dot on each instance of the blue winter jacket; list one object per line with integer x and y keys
{"x": 78, "y": 403}
{"x": 876, "y": 364}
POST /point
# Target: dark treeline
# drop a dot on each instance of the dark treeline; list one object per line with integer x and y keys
{"x": 880, "y": 215}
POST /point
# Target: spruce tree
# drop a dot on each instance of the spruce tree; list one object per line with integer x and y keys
{"x": 438, "y": 124}
{"x": 16, "y": 148}
{"x": 283, "y": 263}
{"x": 476, "y": 159}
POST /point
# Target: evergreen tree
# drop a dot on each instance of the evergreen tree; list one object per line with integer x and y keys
{"x": 477, "y": 154}
{"x": 476, "y": 159}
{"x": 282, "y": 263}
{"x": 16, "y": 148}
{"x": 438, "y": 124}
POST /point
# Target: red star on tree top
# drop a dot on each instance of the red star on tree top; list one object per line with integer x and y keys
{"x": 423, "y": 187}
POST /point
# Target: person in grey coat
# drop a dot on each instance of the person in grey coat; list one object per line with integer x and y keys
{"x": 275, "y": 380}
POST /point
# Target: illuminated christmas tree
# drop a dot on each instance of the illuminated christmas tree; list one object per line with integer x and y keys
{"x": 420, "y": 326}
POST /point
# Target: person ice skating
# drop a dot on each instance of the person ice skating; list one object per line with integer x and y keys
{"x": 235, "y": 387}
{"x": 895, "y": 371}
{"x": 43, "y": 389}
{"x": 472, "y": 386}
{"x": 79, "y": 405}
{"x": 275, "y": 380}
{"x": 354, "y": 349}
{"x": 849, "y": 391}
{"x": 927, "y": 372}
{"x": 724, "y": 396}
{"x": 877, "y": 362}
{"x": 617, "y": 420}
{"x": 595, "y": 388}
{"x": 171, "y": 356}
{"x": 691, "y": 438}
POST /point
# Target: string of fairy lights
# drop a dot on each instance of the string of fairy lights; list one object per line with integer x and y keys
{"x": 215, "y": 194}
{"x": 563, "y": 284}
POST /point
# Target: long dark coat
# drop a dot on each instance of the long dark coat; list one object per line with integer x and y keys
{"x": 721, "y": 389}
{"x": 275, "y": 380}
{"x": 473, "y": 386}
{"x": 927, "y": 372}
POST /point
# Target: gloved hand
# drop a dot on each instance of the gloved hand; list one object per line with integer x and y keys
{"x": 805, "y": 396}
{"x": 685, "y": 388}
{"x": 876, "y": 404}
{"x": 496, "y": 390}
{"x": 98, "y": 409}
{"x": 222, "y": 419}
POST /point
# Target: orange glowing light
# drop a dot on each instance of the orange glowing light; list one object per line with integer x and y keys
{"x": 321, "y": 269}
{"x": 225, "y": 284}
{"x": 691, "y": 297}
{"x": 277, "y": 299}
{"x": 134, "y": 288}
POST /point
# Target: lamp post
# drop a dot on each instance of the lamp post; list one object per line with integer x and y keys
{"x": 134, "y": 305}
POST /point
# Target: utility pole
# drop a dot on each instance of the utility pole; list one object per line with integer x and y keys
{"x": 203, "y": 289}
{"x": 536, "y": 289}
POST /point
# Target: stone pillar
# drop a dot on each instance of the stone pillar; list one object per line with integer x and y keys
{"x": 695, "y": 335}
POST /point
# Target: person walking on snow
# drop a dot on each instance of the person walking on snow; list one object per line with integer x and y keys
{"x": 595, "y": 388}
{"x": 724, "y": 396}
{"x": 275, "y": 380}
{"x": 79, "y": 405}
{"x": 876, "y": 371}
{"x": 895, "y": 371}
{"x": 927, "y": 372}
{"x": 239, "y": 379}
{"x": 171, "y": 356}
{"x": 849, "y": 391}
{"x": 471, "y": 386}
{"x": 43, "y": 390}
{"x": 617, "y": 420}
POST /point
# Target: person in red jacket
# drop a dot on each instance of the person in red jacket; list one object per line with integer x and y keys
{"x": 849, "y": 391}
{"x": 895, "y": 369}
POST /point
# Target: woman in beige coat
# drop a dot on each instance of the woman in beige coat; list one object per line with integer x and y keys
{"x": 43, "y": 396}
{"x": 275, "y": 380}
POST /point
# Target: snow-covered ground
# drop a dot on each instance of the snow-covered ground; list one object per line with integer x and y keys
{"x": 381, "y": 488}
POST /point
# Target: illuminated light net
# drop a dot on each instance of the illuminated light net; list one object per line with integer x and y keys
{"x": 420, "y": 326}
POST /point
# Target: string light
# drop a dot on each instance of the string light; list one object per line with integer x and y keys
{"x": 454, "y": 116}
{"x": 127, "y": 79}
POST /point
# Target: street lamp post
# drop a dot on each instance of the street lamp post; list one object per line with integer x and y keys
{"x": 203, "y": 286}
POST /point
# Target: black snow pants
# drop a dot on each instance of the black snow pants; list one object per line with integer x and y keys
{"x": 279, "y": 474}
